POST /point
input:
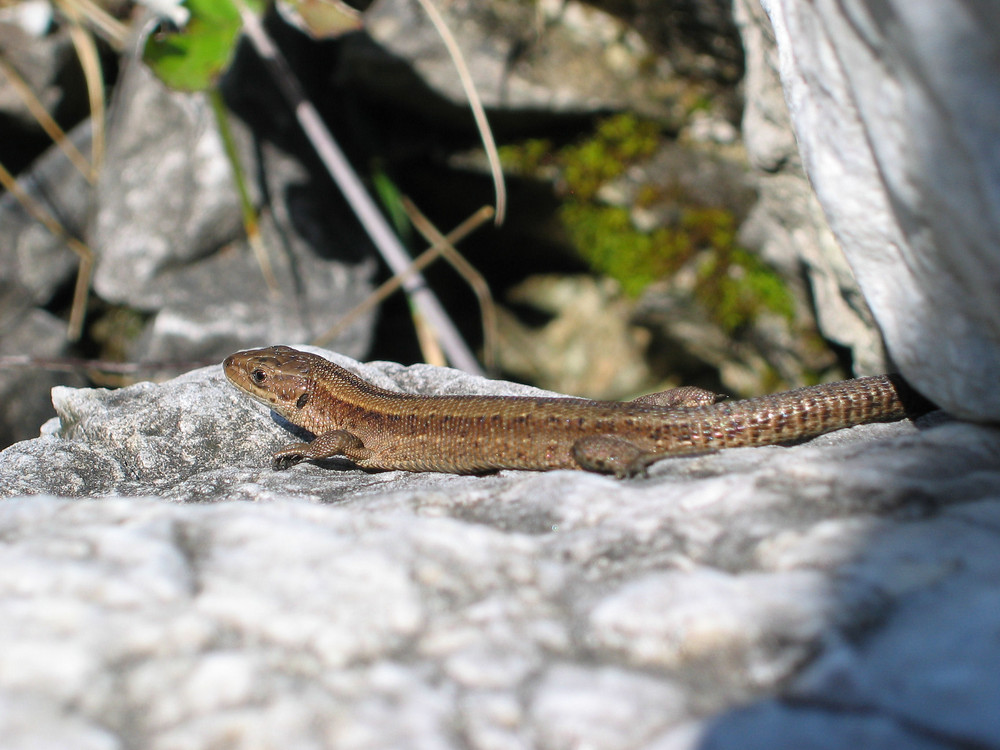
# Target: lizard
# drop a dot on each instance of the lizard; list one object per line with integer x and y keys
{"x": 385, "y": 430}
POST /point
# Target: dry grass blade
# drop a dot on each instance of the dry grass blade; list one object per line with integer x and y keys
{"x": 76, "y": 364}
{"x": 49, "y": 125}
{"x": 90, "y": 61}
{"x": 35, "y": 209}
{"x": 423, "y": 260}
{"x": 430, "y": 347}
{"x": 468, "y": 272}
{"x": 109, "y": 28}
{"x": 86, "y": 51}
{"x": 475, "y": 104}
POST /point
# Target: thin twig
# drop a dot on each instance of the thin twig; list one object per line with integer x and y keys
{"x": 76, "y": 364}
{"x": 86, "y": 51}
{"x": 466, "y": 270}
{"x": 423, "y": 260}
{"x": 475, "y": 104}
{"x": 350, "y": 185}
{"x": 48, "y": 124}
{"x": 109, "y": 28}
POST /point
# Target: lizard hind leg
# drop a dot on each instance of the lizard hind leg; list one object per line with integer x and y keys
{"x": 612, "y": 455}
{"x": 686, "y": 395}
{"x": 607, "y": 454}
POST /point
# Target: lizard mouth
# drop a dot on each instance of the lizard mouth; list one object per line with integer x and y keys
{"x": 234, "y": 367}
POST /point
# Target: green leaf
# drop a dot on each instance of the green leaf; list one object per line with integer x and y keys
{"x": 194, "y": 58}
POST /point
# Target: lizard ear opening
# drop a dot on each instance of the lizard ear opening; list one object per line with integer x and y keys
{"x": 302, "y": 400}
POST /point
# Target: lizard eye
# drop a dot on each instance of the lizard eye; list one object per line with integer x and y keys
{"x": 258, "y": 376}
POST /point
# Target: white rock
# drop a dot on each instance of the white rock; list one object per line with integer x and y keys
{"x": 895, "y": 105}
{"x": 328, "y": 607}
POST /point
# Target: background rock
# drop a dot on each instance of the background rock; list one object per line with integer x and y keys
{"x": 894, "y": 105}
{"x": 35, "y": 266}
{"x": 547, "y": 57}
{"x": 32, "y": 259}
{"x": 788, "y": 225}
{"x": 170, "y": 241}
{"x": 601, "y": 349}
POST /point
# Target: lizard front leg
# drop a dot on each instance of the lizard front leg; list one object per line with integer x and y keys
{"x": 328, "y": 445}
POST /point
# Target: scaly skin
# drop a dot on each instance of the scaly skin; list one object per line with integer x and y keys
{"x": 380, "y": 429}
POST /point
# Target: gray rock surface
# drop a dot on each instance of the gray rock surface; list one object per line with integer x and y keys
{"x": 168, "y": 231}
{"x": 895, "y": 106}
{"x": 34, "y": 266}
{"x": 161, "y": 587}
{"x": 32, "y": 259}
{"x": 553, "y": 57}
{"x": 788, "y": 225}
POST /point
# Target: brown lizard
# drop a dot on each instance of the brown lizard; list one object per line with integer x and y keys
{"x": 380, "y": 429}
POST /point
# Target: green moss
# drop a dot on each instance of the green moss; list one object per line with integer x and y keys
{"x": 526, "y": 157}
{"x": 617, "y": 143}
{"x": 732, "y": 284}
{"x": 736, "y": 286}
{"x": 606, "y": 238}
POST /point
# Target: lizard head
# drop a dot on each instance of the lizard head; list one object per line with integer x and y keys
{"x": 278, "y": 376}
{"x": 305, "y": 389}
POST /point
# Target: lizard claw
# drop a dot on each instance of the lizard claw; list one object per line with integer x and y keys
{"x": 288, "y": 457}
{"x": 280, "y": 463}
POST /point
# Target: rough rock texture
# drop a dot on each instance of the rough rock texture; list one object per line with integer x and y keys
{"x": 169, "y": 235}
{"x": 34, "y": 266}
{"x": 895, "y": 106}
{"x": 552, "y": 57}
{"x": 33, "y": 261}
{"x": 788, "y": 225}
{"x": 179, "y": 594}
